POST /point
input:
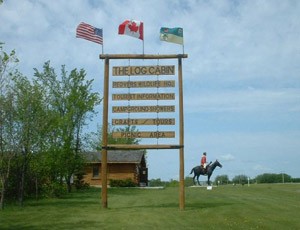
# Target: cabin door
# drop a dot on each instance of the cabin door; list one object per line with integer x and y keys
{"x": 143, "y": 176}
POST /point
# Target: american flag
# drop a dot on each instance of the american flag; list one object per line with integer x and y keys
{"x": 90, "y": 33}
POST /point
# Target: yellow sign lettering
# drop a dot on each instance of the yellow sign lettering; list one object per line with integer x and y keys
{"x": 143, "y": 70}
{"x": 144, "y": 109}
{"x": 155, "y": 134}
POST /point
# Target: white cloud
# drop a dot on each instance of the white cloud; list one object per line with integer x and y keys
{"x": 262, "y": 169}
{"x": 227, "y": 157}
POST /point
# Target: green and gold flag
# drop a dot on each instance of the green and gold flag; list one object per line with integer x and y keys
{"x": 174, "y": 35}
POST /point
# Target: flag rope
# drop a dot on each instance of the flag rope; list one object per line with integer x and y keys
{"x": 128, "y": 116}
{"x": 157, "y": 104}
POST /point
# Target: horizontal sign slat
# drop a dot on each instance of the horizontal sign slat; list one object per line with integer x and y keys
{"x": 143, "y": 70}
{"x": 143, "y": 96}
{"x": 143, "y": 84}
{"x": 154, "y": 121}
{"x": 155, "y": 134}
{"x": 144, "y": 109}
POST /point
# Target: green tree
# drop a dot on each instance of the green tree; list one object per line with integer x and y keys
{"x": 8, "y": 150}
{"x": 29, "y": 122}
{"x": 240, "y": 179}
{"x": 72, "y": 103}
{"x": 296, "y": 180}
{"x": 188, "y": 181}
{"x": 222, "y": 179}
{"x": 7, "y": 138}
{"x": 156, "y": 182}
{"x": 273, "y": 178}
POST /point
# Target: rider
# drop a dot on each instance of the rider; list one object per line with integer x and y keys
{"x": 203, "y": 162}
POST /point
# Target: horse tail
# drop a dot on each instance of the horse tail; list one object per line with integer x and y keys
{"x": 192, "y": 171}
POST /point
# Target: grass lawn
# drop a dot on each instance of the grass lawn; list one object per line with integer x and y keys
{"x": 270, "y": 206}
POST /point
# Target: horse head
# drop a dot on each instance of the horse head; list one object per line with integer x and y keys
{"x": 218, "y": 163}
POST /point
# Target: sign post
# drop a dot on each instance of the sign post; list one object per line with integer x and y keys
{"x": 104, "y": 135}
{"x": 142, "y": 70}
{"x": 181, "y": 139}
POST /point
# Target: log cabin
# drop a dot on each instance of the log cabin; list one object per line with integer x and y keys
{"x": 121, "y": 165}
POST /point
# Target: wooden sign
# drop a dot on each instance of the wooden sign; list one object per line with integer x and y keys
{"x": 143, "y": 70}
{"x": 143, "y": 84}
{"x": 153, "y": 121}
{"x": 155, "y": 134}
{"x": 143, "y": 96}
{"x": 144, "y": 109}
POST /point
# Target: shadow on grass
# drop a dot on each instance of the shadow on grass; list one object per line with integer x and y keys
{"x": 92, "y": 198}
{"x": 61, "y": 203}
{"x": 87, "y": 197}
{"x": 61, "y": 225}
{"x": 188, "y": 206}
{"x": 124, "y": 191}
{"x": 19, "y": 226}
{"x": 205, "y": 205}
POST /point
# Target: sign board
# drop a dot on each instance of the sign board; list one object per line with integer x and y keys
{"x": 143, "y": 70}
{"x": 144, "y": 109}
{"x": 155, "y": 134}
{"x": 129, "y": 71}
{"x": 150, "y": 121}
{"x": 143, "y": 84}
{"x": 143, "y": 96}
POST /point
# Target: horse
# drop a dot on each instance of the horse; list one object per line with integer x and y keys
{"x": 198, "y": 170}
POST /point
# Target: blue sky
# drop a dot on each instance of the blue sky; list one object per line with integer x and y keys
{"x": 241, "y": 77}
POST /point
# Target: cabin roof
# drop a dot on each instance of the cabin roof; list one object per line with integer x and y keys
{"x": 116, "y": 156}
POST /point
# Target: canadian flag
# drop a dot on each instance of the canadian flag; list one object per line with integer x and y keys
{"x": 132, "y": 28}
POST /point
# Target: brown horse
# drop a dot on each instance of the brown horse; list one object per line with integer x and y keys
{"x": 198, "y": 170}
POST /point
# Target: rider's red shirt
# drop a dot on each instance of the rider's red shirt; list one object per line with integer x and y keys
{"x": 203, "y": 160}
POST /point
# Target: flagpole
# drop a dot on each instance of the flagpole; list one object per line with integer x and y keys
{"x": 143, "y": 48}
{"x": 143, "y": 38}
{"x": 102, "y": 42}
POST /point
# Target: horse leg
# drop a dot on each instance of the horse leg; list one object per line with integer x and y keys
{"x": 194, "y": 179}
{"x": 198, "y": 180}
{"x": 208, "y": 179}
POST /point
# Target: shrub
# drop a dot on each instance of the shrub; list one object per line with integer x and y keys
{"x": 54, "y": 189}
{"x": 122, "y": 183}
{"x": 79, "y": 182}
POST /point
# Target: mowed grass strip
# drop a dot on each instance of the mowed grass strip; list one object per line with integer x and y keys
{"x": 269, "y": 206}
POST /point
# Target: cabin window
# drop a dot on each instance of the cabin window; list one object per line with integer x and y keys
{"x": 95, "y": 170}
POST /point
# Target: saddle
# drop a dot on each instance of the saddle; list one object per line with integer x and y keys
{"x": 205, "y": 169}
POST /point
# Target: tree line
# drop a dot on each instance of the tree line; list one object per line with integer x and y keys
{"x": 41, "y": 127}
{"x": 236, "y": 180}
{"x": 262, "y": 178}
